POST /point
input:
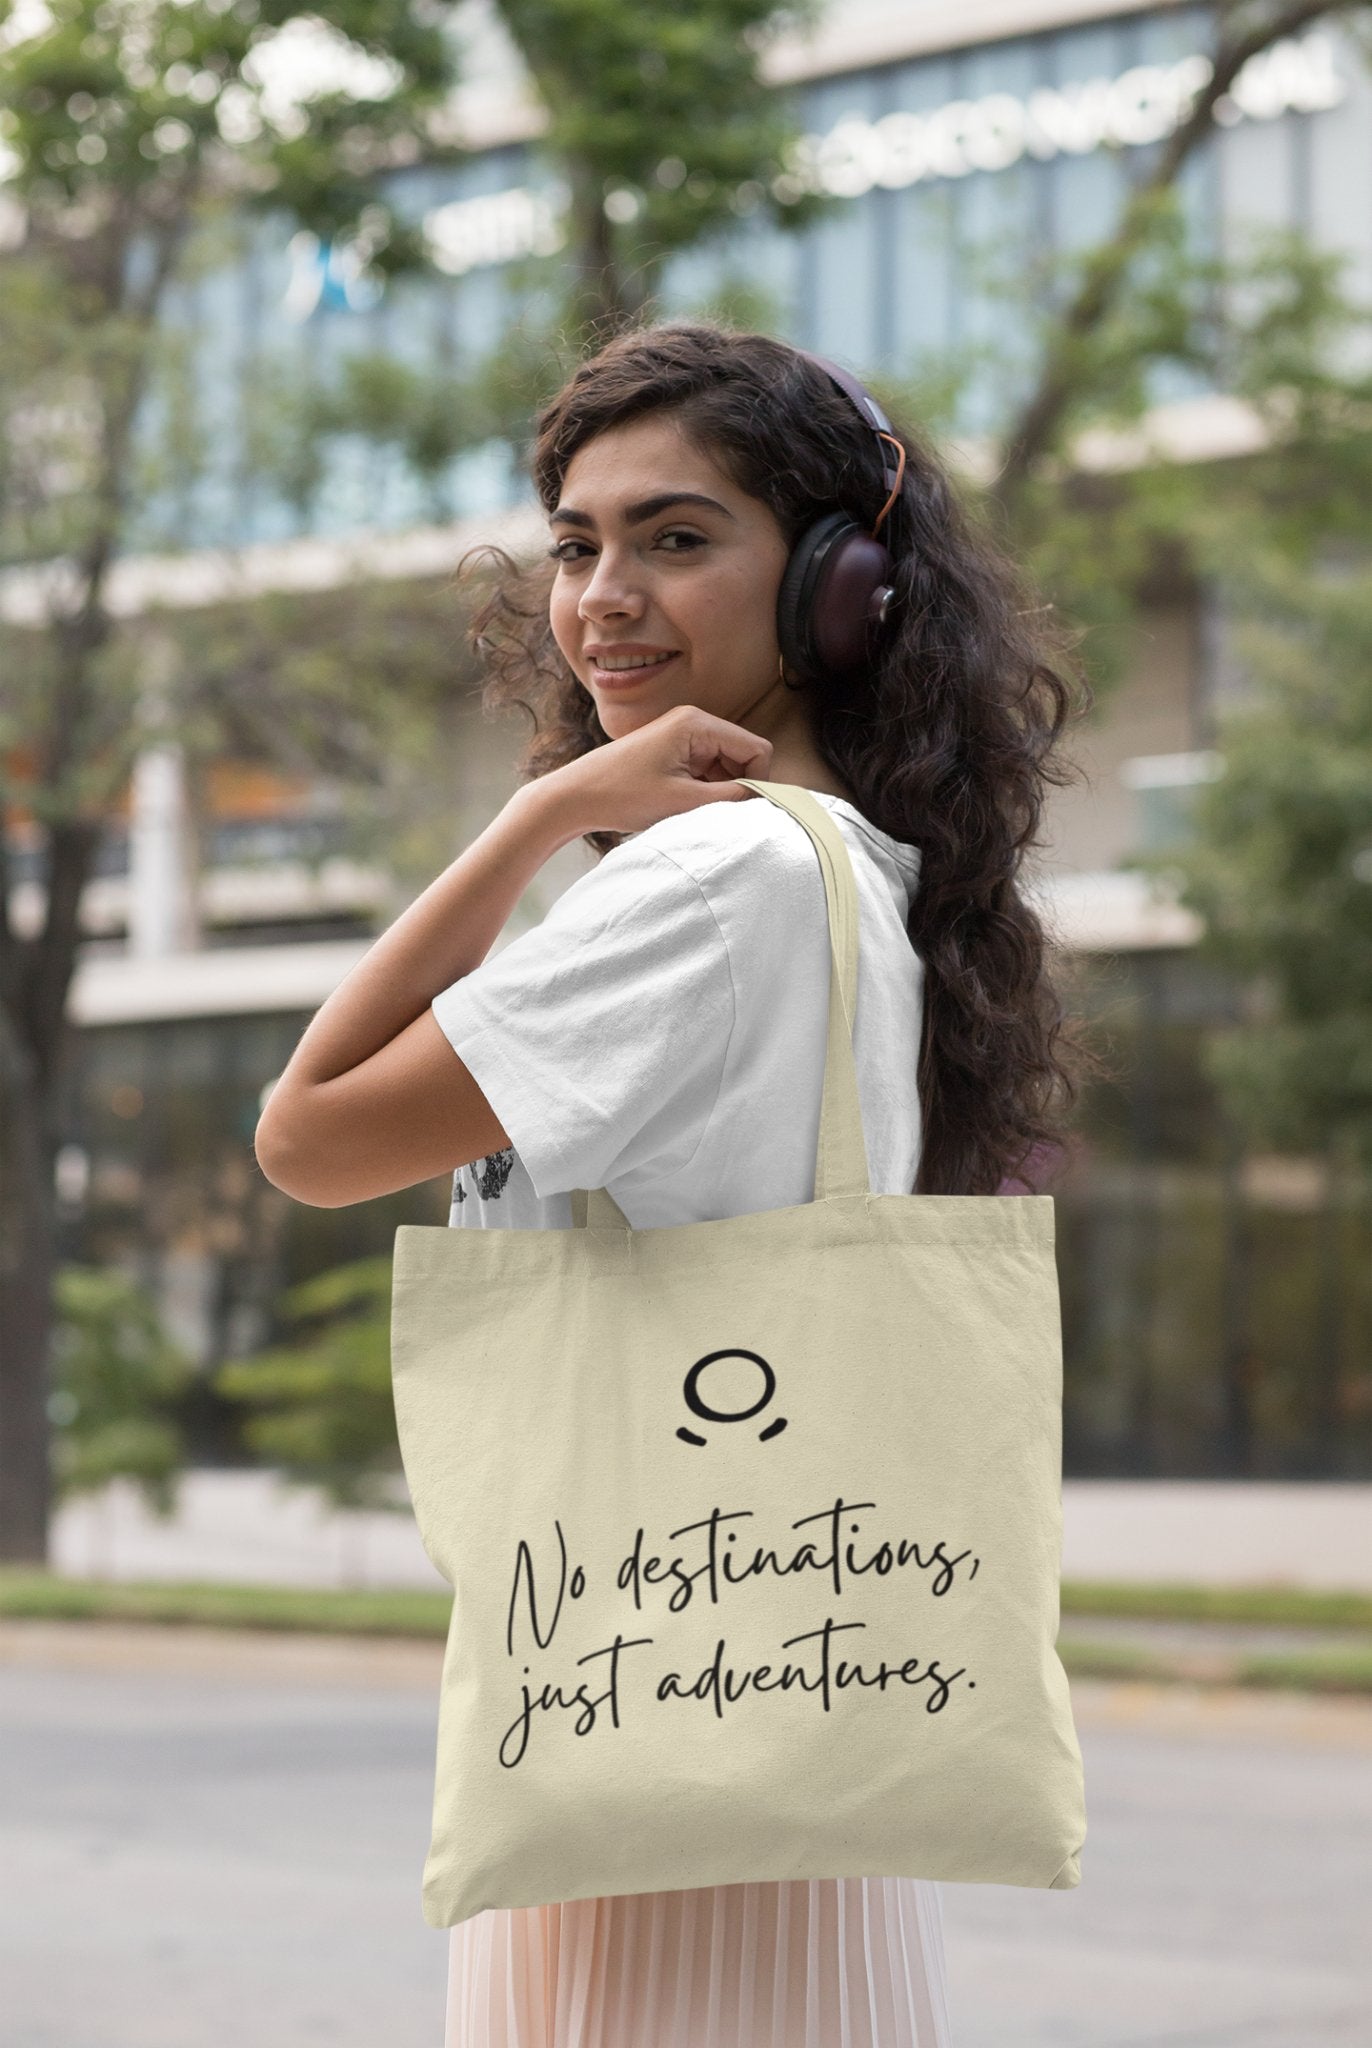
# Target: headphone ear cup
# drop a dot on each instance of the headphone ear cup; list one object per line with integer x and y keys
{"x": 800, "y": 586}
{"x": 829, "y": 601}
{"x": 849, "y": 603}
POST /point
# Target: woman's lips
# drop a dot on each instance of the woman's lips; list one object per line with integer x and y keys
{"x": 627, "y": 678}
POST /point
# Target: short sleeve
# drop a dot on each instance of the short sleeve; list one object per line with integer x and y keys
{"x": 600, "y": 1037}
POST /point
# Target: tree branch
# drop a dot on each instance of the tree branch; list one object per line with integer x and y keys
{"x": 1108, "y": 266}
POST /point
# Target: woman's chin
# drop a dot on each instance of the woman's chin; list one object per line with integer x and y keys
{"x": 619, "y": 715}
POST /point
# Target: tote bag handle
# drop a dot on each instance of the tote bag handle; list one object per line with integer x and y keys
{"x": 841, "y": 1166}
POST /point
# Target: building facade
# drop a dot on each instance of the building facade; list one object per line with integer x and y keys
{"x": 965, "y": 150}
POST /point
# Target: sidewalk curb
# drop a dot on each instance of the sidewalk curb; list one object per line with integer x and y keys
{"x": 191, "y": 1650}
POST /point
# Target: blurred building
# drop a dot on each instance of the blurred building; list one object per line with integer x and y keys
{"x": 952, "y": 135}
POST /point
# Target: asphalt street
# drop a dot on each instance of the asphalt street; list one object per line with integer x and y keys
{"x": 209, "y": 1840}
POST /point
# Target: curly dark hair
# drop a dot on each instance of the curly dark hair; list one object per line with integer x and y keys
{"x": 947, "y": 741}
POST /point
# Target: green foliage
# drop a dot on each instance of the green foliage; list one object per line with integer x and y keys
{"x": 130, "y": 130}
{"x": 1278, "y": 863}
{"x": 431, "y": 416}
{"x": 426, "y": 416}
{"x": 1271, "y": 860}
{"x": 117, "y": 1381}
{"x": 321, "y": 1610}
{"x": 1180, "y": 1600}
{"x": 664, "y": 128}
{"x": 133, "y": 130}
{"x": 1305, "y": 1671}
{"x": 323, "y": 1409}
{"x": 1276, "y": 854}
{"x": 138, "y": 135}
{"x": 1107, "y": 516}
{"x": 120, "y": 112}
{"x": 736, "y": 299}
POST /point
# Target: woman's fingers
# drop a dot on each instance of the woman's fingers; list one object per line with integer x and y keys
{"x": 718, "y": 750}
{"x": 683, "y": 758}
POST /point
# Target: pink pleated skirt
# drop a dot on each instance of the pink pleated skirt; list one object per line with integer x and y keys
{"x": 853, "y": 1962}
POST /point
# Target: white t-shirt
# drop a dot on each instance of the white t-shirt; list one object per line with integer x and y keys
{"x": 662, "y": 1032}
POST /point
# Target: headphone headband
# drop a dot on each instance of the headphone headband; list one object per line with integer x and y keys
{"x": 891, "y": 463}
{"x": 892, "y": 454}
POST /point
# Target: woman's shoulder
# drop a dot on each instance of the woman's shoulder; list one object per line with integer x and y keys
{"x": 730, "y": 856}
{"x": 730, "y": 840}
{"x": 753, "y": 845}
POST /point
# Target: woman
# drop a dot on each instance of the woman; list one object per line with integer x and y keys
{"x": 662, "y": 1031}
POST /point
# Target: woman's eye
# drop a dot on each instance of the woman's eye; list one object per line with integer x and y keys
{"x": 676, "y": 541}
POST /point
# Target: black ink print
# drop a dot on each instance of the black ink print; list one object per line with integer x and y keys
{"x": 719, "y": 1567}
{"x": 724, "y": 1687}
{"x": 495, "y": 1171}
{"x": 459, "y": 1192}
{"x": 708, "y": 1414}
{"x": 710, "y": 1560}
{"x": 552, "y": 1696}
{"x": 524, "y": 1576}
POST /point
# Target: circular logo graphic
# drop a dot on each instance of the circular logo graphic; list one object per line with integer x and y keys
{"x": 692, "y": 1397}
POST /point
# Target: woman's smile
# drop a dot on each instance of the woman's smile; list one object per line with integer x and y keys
{"x": 622, "y": 668}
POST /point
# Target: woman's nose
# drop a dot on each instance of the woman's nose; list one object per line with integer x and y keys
{"x": 612, "y": 590}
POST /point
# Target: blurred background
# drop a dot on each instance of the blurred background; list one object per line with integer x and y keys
{"x": 279, "y": 295}
{"x": 278, "y": 307}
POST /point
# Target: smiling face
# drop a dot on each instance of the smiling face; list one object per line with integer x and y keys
{"x": 666, "y": 584}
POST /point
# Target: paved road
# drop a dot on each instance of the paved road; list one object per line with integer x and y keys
{"x": 199, "y": 1859}
{"x": 1226, "y": 1894}
{"x": 209, "y": 1840}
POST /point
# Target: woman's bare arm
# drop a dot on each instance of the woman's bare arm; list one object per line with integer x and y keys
{"x": 374, "y": 1098}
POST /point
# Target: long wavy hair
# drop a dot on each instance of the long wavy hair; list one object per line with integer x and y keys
{"x": 948, "y": 740}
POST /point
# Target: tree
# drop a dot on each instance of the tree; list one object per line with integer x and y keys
{"x": 1276, "y": 851}
{"x": 116, "y": 1386}
{"x": 662, "y": 129}
{"x": 128, "y": 125}
{"x": 1065, "y": 381}
{"x": 1275, "y": 855}
{"x": 322, "y": 1406}
{"x": 1278, "y": 865}
{"x": 131, "y": 133}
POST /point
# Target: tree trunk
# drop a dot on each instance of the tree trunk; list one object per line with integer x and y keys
{"x": 1144, "y": 1421}
{"x": 27, "y": 1263}
{"x": 35, "y": 1043}
{"x": 36, "y": 970}
{"x": 1327, "y": 1432}
{"x": 1237, "y": 1362}
{"x": 603, "y": 299}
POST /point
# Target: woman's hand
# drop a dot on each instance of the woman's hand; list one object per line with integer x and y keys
{"x": 681, "y": 759}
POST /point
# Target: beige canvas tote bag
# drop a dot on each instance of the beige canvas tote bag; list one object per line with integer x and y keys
{"x": 753, "y": 1527}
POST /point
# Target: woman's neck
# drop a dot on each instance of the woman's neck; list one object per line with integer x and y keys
{"x": 804, "y": 768}
{"x": 781, "y": 715}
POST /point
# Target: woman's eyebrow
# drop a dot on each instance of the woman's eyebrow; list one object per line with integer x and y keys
{"x": 647, "y": 508}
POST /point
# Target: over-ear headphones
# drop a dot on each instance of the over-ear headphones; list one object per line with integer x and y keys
{"x": 836, "y": 589}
